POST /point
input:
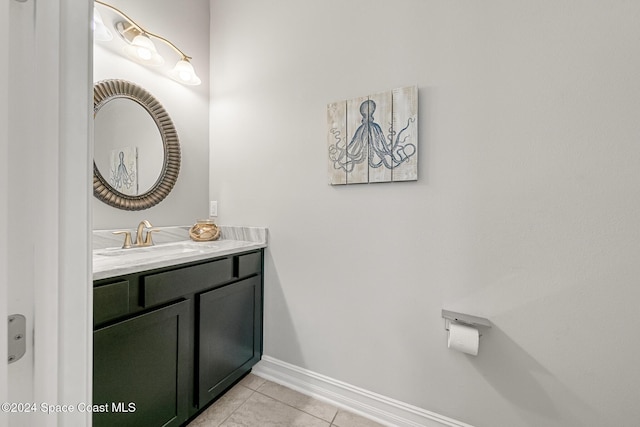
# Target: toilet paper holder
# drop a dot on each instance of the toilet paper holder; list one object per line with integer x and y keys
{"x": 466, "y": 319}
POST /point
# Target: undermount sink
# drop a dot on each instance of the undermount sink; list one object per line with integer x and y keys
{"x": 175, "y": 248}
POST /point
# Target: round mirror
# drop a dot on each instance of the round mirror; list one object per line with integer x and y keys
{"x": 136, "y": 151}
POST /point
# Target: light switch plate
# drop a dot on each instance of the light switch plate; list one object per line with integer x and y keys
{"x": 213, "y": 208}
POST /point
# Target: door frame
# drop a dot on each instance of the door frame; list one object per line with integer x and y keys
{"x": 67, "y": 91}
{"x": 62, "y": 298}
{"x": 75, "y": 285}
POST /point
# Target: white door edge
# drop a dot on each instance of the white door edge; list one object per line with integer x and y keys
{"x": 4, "y": 109}
{"x": 56, "y": 213}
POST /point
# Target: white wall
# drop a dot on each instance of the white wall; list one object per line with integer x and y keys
{"x": 187, "y": 26}
{"x": 526, "y": 210}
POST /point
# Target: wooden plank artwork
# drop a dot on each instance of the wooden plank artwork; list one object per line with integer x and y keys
{"x": 374, "y": 138}
{"x": 336, "y": 140}
{"x": 357, "y": 144}
{"x": 380, "y": 116}
{"x": 405, "y": 134}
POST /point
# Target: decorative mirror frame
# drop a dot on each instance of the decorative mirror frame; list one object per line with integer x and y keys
{"x": 107, "y": 90}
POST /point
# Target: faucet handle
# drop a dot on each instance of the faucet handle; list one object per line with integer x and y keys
{"x": 127, "y": 238}
{"x": 148, "y": 241}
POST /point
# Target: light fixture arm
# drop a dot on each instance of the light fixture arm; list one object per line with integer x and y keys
{"x": 174, "y": 47}
{"x": 143, "y": 31}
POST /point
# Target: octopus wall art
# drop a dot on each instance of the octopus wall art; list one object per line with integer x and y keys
{"x": 124, "y": 170}
{"x": 374, "y": 138}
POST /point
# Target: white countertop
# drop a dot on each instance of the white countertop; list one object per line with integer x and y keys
{"x": 172, "y": 247}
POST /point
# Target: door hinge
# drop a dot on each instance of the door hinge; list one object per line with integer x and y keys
{"x": 17, "y": 344}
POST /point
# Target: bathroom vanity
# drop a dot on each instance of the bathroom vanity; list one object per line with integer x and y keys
{"x": 174, "y": 330}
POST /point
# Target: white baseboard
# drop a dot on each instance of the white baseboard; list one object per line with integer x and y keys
{"x": 381, "y": 409}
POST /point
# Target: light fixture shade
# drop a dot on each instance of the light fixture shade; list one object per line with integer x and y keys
{"x": 184, "y": 73}
{"x": 143, "y": 50}
{"x": 100, "y": 31}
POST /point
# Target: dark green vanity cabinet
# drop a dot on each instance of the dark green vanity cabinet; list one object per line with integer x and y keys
{"x": 169, "y": 341}
{"x": 228, "y": 344}
{"x": 140, "y": 369}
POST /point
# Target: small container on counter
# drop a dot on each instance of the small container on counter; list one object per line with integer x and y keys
{"x": 204, "y": 230}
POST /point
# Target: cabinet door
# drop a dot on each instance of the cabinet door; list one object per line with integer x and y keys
{"x": 140, "y": 369}
{"x": 230, "y": 335}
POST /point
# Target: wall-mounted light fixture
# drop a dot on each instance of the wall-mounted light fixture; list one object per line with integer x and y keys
{"x": 140, "y": 47}
{"x": 100, "y": 31}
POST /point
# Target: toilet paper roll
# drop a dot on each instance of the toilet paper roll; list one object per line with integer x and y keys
{"x": 464, "y": 338}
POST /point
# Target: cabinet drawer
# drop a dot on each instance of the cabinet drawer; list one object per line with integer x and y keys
{"x": 170, "y": 285}
{"x": 249, "y": 264}
{"x": 110, "y": 301}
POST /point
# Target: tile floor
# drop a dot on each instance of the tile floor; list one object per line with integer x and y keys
{"x": 255, "y": 402}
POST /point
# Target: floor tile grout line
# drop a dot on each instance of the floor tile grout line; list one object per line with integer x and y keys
{"x": 334, "y": 418}
{"x": 298, "y": 409}
{"x": 239, "y": 406}
{"x": 331, "y": 423}
{"x": 255, "y": 390}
